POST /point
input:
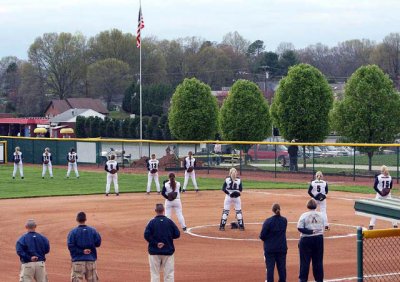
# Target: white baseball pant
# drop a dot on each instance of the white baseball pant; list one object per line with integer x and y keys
{"x": 166, "y": 263}
{"x": 112, "y": 178}
{"x": 322, "y": 208}
{"x": 193, "y": 176}
{"x": 21, "y": 169}
{"x": 74, "y": 166}
{"x": 177, "y": 206}
{"x": 50, "y": 167}
{"x": 150, "y": 178}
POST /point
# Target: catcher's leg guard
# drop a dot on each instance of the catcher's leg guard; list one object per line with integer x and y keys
{"x": 239, "y": 217}
{"x": 225, "y": 214}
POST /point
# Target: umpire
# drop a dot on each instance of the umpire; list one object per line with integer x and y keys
{"x": 311, "y": 245}
{"x": 160, "y": 232}
{"x": 32, "y": 248}
{"x": 273, "y": 234}
{"x": 82, "y": 243}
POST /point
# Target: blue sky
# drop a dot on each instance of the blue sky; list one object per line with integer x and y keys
{"x": 301, "y": 22}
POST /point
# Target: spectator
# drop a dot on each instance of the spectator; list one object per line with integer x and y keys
{"x": 218, "y": 152}
{"x": 293, "y": 151}
{"x": 82, "y": 243}
{"x": 311, "y": 245}
{"x": 32, "y": 248}
{"x": 273, "y": 234}
{"x": 160, "y": 233}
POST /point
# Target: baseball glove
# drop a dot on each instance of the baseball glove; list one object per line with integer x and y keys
{"x": 152, "y": 171}
{"x": 234, "y": 194}
{"x": 172, "y": 196}
{"x": 113, "y": 171}
{"x": 71, "y": 161}
{"x": 190, "y": 169}
{"x": 46, "y": 162}
{"x": 385, "y": 191}
{"x": 320, "y": 197}
{"x": 234, "y": 225}
{"x": 16, "y": 161}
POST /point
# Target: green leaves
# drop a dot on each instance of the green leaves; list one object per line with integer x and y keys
{"x": 245, "y": 113}
{"x": 193, "y": 114}
{"x": 301, "y": 105}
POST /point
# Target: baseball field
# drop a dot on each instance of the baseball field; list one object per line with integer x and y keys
{"x": 202, "y": 254}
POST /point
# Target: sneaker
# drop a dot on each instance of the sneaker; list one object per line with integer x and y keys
{"x": 117, "y": 194}
{"x": 222, "y": 228}
{"x": 184, "y": 190}
{"x": 241, "y": 228}
{"x": 67, "y": 177}
{"x": 184, "y": 229}
{"x": 148, "y": 193}
{"x": 42, "y": 177}
{"x": 371, "y": 227}
{"x": 13, "y": 177}
{"x": 22, "y": 177}
{"x": 159, "y": 193}
{"x": 197, "y": 190}
{"x": 395, "y": 226}
{"x": 327, "y": 228}
{"x": 77, "y": 177}
{"x": 106, "y": 194}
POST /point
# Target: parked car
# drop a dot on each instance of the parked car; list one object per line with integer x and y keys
{"x": 120, "y": 155}
{"x": 265, "y": 152}
{"x": 332, "y": 151}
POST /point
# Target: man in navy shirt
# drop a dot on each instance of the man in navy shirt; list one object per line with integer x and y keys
{"x": 32, "y": 248}
{"x": 273, "y": 234}
{"x": 82, "y": 243}
{"x": 160, "y": 232}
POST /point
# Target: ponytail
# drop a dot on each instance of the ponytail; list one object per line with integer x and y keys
{"x": 172, "y": 181}
{"x": 276, "y": 209}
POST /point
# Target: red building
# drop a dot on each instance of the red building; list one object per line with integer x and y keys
{"x": 21, "y": 126}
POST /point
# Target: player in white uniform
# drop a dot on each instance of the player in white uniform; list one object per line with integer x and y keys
{"x": 112, "y": 175}
{"x": 152, "y": 167}
{"x": 72, "y": 159}
{"x": 383, "y": 182}
{"x": 46, "y": 160}
{"x": 317, "y": 187}
{"x": 232, "y": 188}
{"x": 18, "y": 163}
{"x": 170, "y": 186}
{"x": 190, "y": 164}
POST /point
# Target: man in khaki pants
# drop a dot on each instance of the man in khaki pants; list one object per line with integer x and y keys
{"x": 160, "y": 233}
{"x": 32, "y": 248}
{"x": 82, "y": 243}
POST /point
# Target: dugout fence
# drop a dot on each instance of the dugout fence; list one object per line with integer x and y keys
{"x": 378, "y": 255}
{"x": 269, "y": 157}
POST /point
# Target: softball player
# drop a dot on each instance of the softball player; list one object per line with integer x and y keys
{"x": 112, "y": 175}
{"x": 382, "y": 181}
{"x": 319, "y": 186}
{"x": 232, "y": 188}
{"x": 46, "y": 160}
{"x": 190, "y": 164}
{"x": 72, "y": 159}
{"x": 169, "y": 186}
{"x": 18, "y": 163}
{"x": 152, "y": 167}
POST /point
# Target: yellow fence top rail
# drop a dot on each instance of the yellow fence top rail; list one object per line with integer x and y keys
{"x": 370, "y": 234}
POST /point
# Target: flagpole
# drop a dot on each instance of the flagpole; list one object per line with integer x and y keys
{"x": 140, "y": 94}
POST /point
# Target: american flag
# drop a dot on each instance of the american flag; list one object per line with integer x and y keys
{"x": 139, "y": 28}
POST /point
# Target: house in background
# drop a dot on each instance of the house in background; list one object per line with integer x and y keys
{"x": 11, "y": 126}
{"x": 57, "y": 107}
{"x": 67, "y": 119}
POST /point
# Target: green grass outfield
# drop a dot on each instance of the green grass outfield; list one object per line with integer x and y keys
{"x": 94, "y": 183}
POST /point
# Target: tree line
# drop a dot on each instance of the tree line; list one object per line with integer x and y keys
{"x": 106, "y": 66}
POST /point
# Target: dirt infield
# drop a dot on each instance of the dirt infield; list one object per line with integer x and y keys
{"x": 123, "y": 254}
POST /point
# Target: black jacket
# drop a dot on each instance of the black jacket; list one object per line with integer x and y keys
{"x": 273, "y": 233}
{"x": 293, "y": 151}
{"x": 161, "y": 230}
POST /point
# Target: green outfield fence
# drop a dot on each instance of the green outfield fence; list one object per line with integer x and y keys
{"x": 269, "y": 157}
{"x": 378, "y": 255}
